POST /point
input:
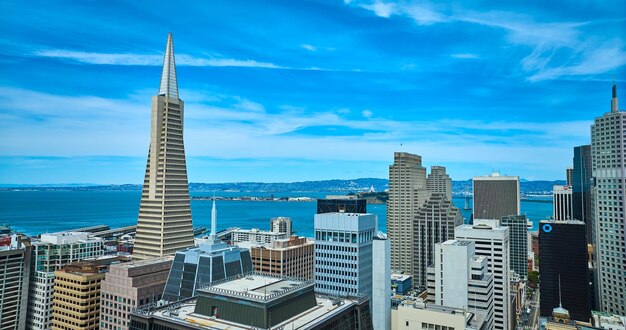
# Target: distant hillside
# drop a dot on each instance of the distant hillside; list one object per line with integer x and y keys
{"x": 337, "y": 186}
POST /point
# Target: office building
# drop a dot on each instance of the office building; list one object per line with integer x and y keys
{"x": 492, "y": 241}
{"x": 581, "y": 188}
{"x": 438, "y": 181}
{"x": 411, "y": 315}
{"x": 419, "y": 214}
{"x": 434, "y": 223}
{"x": 284, "y": 257}
{"x": 518, "y": 243}
{"x": 76, "y": 303}
{"x": 281, "y": 225}
{"x": 562, "y": 203}
{"x": 49, "y": 254}
{"x": 14, "y": 280}
{"x": 563, "y": 259}
{"x": 608, "y": 157}
{"x": 210, "y": 261}
{"x": 346, "y": 204}
{"x": 608, "y": 321}
{"x": 128, "y": 286}
{"x": 381, "y": 282}
{"x": 255, "y": 301}
{"x": 343, "y": 253}
{"x": 495, "y": 196}
{"x": 164, "y": 223}
{"x": 460, "y": 279}
{"x": 255, "y": 235}
{"x": 407, "y": 193}
{"x": 401, "y": 283}
{"x": 569, "y": 175}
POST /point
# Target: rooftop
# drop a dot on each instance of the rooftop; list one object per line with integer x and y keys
{"x": 183, "y": 312}
{"x": 256, "y": 287}
{"x": 472, "y": 320}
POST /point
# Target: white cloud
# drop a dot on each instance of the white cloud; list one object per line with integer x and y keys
{"x": 148, "y": 59}
{"x": 465, "y": 56}
{"x": 579, "y": 54}
{"x": 309, "y": 47}
{"x": 55, "y": 125}
{"x": 382, "y": 9}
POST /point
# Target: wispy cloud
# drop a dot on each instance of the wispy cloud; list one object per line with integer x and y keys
{"x": 148, "y": 59}
{"x": 465, "y": 56}
{"x": 557, "y": 49}
{"x": 309, "y": 47}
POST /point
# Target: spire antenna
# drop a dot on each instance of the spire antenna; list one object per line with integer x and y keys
{"x": 560, "y": 304}
{"x": 213, "y": 219}
{"x": 169, "y": 84}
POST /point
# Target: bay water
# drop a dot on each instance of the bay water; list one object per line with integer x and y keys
{"x": 36, "y": 212}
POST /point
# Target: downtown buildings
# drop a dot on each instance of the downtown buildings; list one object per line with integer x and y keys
{"x": 164, "y": 223}
{"x": 15, "y": 261}
{"x": 49, "y": 254}
{"x": 608, "y": 155}
{"x": 131, "y": 285}
{"x": 419, "y": 214}
{"x": 492, "y": 241}
{"x": 563, "y": 265}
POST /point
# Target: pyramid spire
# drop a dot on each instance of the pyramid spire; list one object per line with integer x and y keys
{"x": 169, "y": 85}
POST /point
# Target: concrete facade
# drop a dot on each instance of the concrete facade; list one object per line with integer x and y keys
{"x": 495, "y": 196}
{"x": 343, "y": 253}
{"x": 49, "y": 254}
{"x": 381, "y": 283}
{"x": 285, "y": 257}
{"x": 164, "y": 223}
{"x": 460, "y": 279}
{"x": 562, "y": 203}
{"x": 14, "y": 281}
{"x": 608, "y": 154}
{"x": 492, "y": 241}
{"x": 128, "y": 286}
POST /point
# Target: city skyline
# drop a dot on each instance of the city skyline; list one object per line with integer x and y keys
{"x": 306, "y": 91}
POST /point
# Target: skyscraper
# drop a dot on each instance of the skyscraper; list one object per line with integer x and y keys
{"x": 518, "y": 243}
{"x": 492, "y": 241}
{"x": 569, "y": 176}
{"x": 581, "y": 188}
{"x": 407, "y": 192}
{"x": 561, "y": 202}
{"x": 439, "y": 181}
{"x": 434, "y": 223}
{"x": 49, "y": 254}
{"x": 495, "y": 196}
{"x": 343, "y": 253}
{"x": 347, "y": 204}
{"x": 459, "y": 278}
{"x": 164, "y": 224}
{"x": 608, "y": 155}
{"x": 128, "y": 286}
{"x": 14, "y": 280}
{"x": 563, "y": 258}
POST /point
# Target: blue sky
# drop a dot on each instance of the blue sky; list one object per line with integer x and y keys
{"x": 305, "y": 90}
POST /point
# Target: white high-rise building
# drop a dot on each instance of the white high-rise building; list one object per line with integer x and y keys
{"x": 49, "y": 254}
{"x": 343, "y": 253}
{"x": 461, "y": 279}
{"x": 381, "y": 282}
{"x": 281, "y": 225}
{"x": 164, "y": 224}
{"x": 562, "y": 203}
{"x": 492, "y": 241}
{"x": 608, "y": 158}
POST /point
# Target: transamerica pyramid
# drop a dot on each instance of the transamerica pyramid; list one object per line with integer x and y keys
{"x": 164, "y": 223}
